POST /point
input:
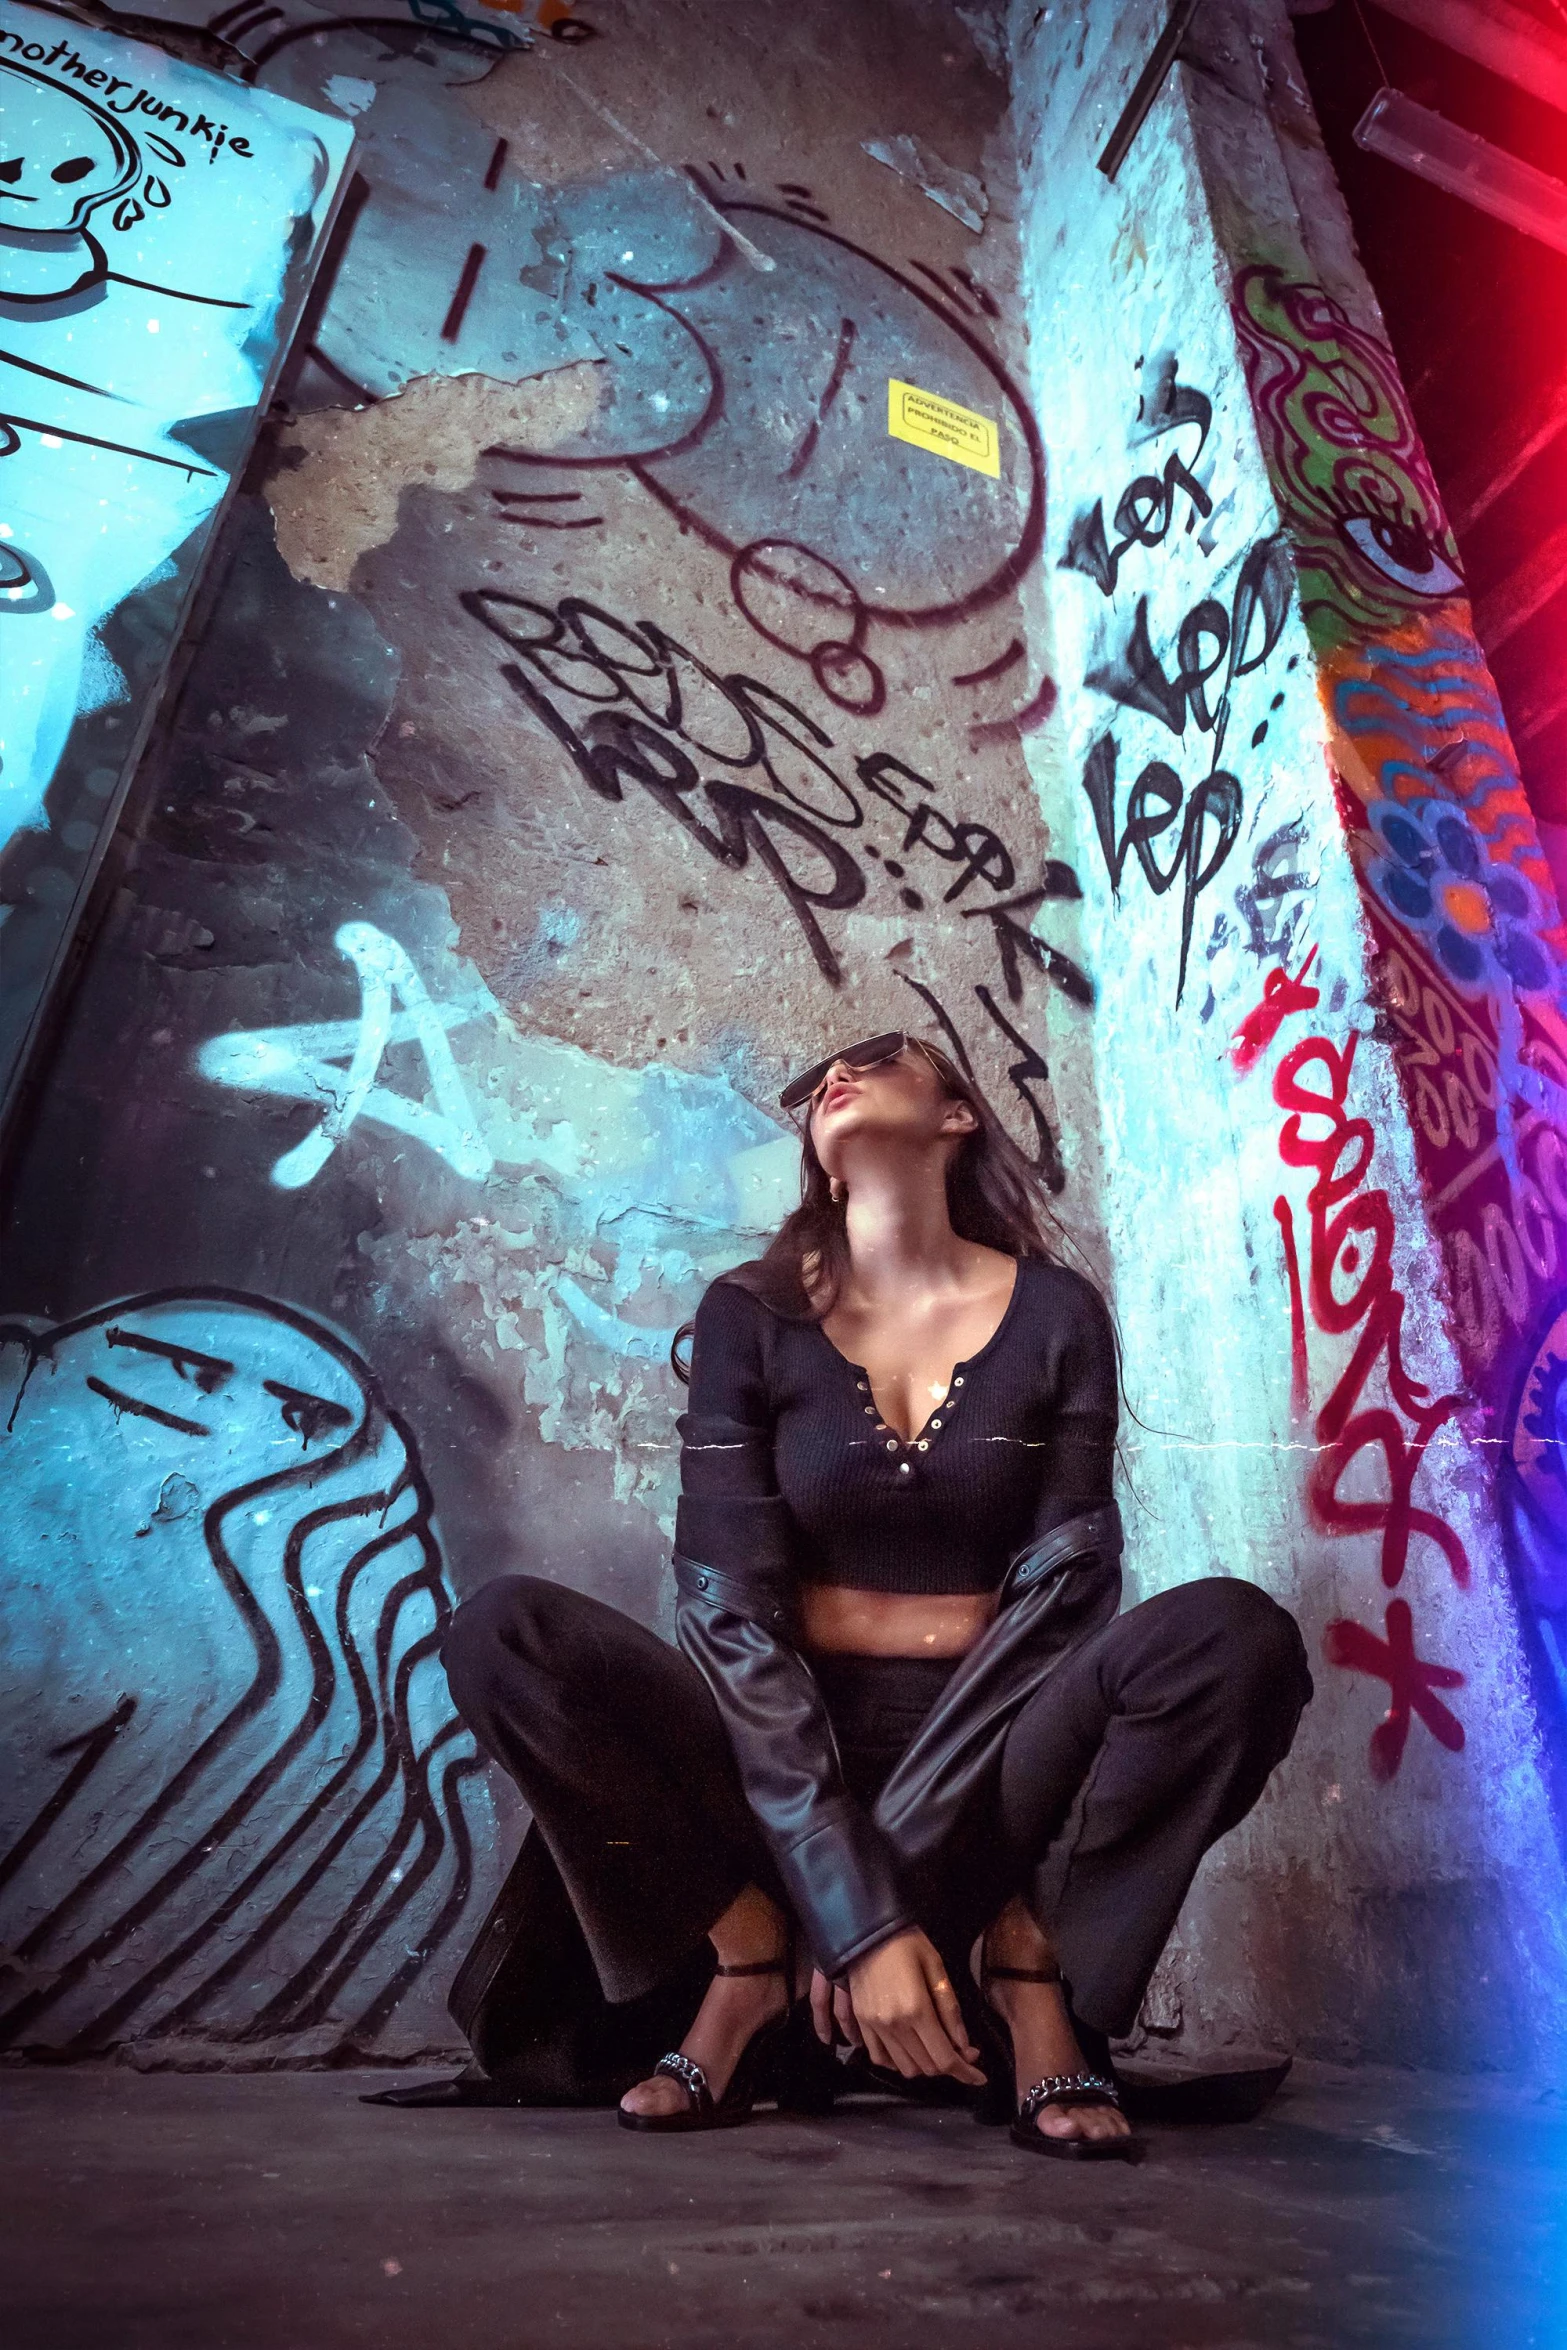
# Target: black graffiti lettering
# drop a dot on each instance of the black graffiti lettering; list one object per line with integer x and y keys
{"x": 604, "y": 783}
{"x": 1088, "y": 549}
{"x": 1217, "y": 798}
{"x": 1266, "y": 578}
{"x": 1141, "y": 515}
{"x": 672, "y": 654}
{"x": 577, "y": 666}
{"x": 943, "y": 1021}
{"x": 1146, "y": 507}
{"x": 758, "y": 814}
{"x": 877, "y": 772}
{"x": 583, "y": 617}
{"x": 1014, "y": 940}
{"x": 625, "y": 747}
{"x": 1157, "y": 785}
{"x": 1136, "y": 677}
{"x": 581, "y": 649}
{"x": 761, "y": 706}
{"x": 1205, "y": 623}
{"x": 494, "y": 606}
{"x": 1030, "y": 1068}
{"x": 973, "y": 846}
{"x": 1153, "y": 804}
{"x": 1210, "y": 639}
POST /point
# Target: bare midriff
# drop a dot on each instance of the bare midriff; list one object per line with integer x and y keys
{"x": 893, "y": 1623}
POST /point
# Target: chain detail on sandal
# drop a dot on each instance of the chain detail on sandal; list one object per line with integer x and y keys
{"x": 1083, "y": 2088}
{"x": 1072, "y": 2089}
{"x": 750, "y": 2079}
{"x": 692, "y": 2079}
{"x": 1067, "y": 2089}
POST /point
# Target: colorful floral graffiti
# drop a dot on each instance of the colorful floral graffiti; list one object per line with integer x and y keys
{"x": 1469, "y": 947}
{"x": 1453, "y": 855}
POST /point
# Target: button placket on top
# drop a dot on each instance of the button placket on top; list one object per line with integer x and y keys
{"x": 932, "y": 1428}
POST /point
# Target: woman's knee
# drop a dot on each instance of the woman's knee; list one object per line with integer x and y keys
{"x": 1258, "y": 1650}
{"x": 1262, "y": 1643}
{"x": 506, "y": 1621}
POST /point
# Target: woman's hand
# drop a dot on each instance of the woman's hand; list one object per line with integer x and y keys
{"x": 831, "y": 2004}
{"x": 906, "y": 2013}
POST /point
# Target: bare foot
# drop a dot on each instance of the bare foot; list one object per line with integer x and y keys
{"x": 1043, "y": 2041}
{"x": 734, "y": 2009}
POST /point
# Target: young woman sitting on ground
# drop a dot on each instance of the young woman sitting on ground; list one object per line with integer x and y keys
{"x": 905, "y": 1731}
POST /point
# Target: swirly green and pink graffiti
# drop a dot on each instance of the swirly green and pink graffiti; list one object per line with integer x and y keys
{"x": 1357, "y": 495}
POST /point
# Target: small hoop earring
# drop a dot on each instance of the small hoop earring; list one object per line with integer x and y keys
{"x": 838, "y": 1191}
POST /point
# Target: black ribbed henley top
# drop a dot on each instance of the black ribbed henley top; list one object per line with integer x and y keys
{"x": 786, "y": 1464}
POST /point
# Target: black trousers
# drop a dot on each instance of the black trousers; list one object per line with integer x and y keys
{"x": 1136, "y": 1752}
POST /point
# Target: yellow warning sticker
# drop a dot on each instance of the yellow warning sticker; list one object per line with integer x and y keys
{"x": 943, "y": 427}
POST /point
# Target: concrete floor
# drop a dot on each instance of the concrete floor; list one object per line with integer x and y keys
{"x": 274, "y": 2212}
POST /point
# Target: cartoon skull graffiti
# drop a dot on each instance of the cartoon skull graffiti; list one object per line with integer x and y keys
{"x": 62, "y": 158}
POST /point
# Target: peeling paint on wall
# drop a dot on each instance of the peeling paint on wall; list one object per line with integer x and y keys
{"x": 341, "y": 472}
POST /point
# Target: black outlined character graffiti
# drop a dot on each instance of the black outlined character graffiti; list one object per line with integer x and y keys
{"x": 97, "y": 363}
{"x": 776, "y": 458}
{"x": 235, "y": 1800}
{"x": 62, "y": 159}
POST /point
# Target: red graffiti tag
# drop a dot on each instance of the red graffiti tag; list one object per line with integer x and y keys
{"x": 1352, "y": 1243}
{"x": 1300, "y": 1363}
{"x": 1281, "y": 995}
{"x": 1411, "y": 1684}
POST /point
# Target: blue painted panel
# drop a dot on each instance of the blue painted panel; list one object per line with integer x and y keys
{"x": 158, "y": 229}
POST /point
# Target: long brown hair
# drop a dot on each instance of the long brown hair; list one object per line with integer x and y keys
{"x": 993, "y": 1197}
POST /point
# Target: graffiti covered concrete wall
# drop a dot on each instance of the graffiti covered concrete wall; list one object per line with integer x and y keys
{"x": 602, "y": 711}
{"x": 683, "y": 618}
{"x": 1328, "y": 957}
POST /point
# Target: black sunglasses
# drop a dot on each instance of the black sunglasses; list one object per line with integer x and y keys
{"x": 869, "y": 1053}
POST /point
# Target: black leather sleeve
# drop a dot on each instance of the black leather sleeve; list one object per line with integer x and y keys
{"x": 836, "y": 1868}
{"x": 735, "y": 1620}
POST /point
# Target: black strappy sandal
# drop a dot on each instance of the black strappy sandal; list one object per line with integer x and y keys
{"x": 756, "y": 2074}
{"x": 1085, "y": 2088}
